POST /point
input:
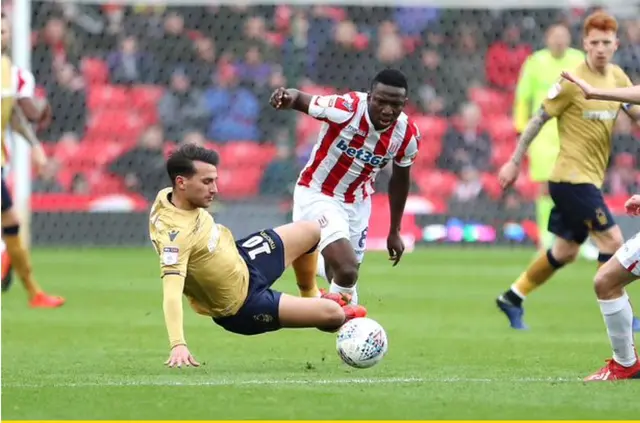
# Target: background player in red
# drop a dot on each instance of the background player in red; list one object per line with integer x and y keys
{"x": 361, "y": 134}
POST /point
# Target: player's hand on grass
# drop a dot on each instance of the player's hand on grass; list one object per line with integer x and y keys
{"x": 633, "y": 205}
{"x": 581, "y": 83}
{"x": 395, "y": 246}
{"x": 508, "y": 174}
{"x": 281, "y": 99}
{"x": 180, "y": 356}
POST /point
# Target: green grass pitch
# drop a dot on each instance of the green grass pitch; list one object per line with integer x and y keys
{"x": 451, "y": 354}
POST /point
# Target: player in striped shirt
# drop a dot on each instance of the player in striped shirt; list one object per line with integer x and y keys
{"x": 361, "y": 134}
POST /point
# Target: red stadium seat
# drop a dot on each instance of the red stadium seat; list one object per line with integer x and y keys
{"x": 430, "y": 149}
{"x": 501, "y": 130}
{"x": 431, "y": 126}
{"x": 437, "y": 183}
{"x": 103, "y": 183}
{"x": 243, "y": 153}
{"x": 317, "y": 89}
{"x": 122, "y": 125}
{"x": 239, "y": 182}
{"x": 108, "y": 97}
{"x": 145, "y": 96}
{"x": 527, "y": 188}
{"x": 500, "y": 154}
{"x": 491, "y": 185}
{"x": 491, "y": 102}
{"x": 95, "y": 71}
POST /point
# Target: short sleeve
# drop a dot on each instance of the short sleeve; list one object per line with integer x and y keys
{"x": 409, "y": 149}
{"x": 558, "y": 98}
{"x": 25, "y": 83}
{"x": 332, "y": 108}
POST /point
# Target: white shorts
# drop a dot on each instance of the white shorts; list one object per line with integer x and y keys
{"x": 629, "y": 255}
{"x": 341, "y": 220}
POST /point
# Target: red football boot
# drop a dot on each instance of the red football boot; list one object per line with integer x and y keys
{"x": 354, "y": 311}
{"x": 43, "y": 300}
{"x": 341, "y": 299}
{"x": 615, "y": 371}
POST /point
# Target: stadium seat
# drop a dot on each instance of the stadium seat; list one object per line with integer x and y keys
{"x": 122, "y": 125}
{"x": 431, "y": 126}
{"x": 239, "y": 182}
{"x": 436, "y": 182}
{"x": 430, "y": 149}
{"x": 307, "y": 129}
{"x": 501, "y": 130}
{"x": 491, "y": 102}
{"x": 317, "y": 89}
{"x": 527, "y": 188}
{"x": 108, "y": 97}
{"x": 241, "y": 153}
{"x": 145, "y": 96}
{"x": 95, "y": 71}
{"x": 105, "y": 183}
{"x": 491, "y": 185}
{"x": 500, "y": 154}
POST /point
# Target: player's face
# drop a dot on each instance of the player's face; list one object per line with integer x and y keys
{"x": 558, "y": 40}
{"x": 201, "y": 188}
{"x": 600, "y": 47}
{"x": 385, "y": 104}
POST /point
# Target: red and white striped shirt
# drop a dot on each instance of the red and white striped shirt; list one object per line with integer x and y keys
{"x": 350, "y": 151}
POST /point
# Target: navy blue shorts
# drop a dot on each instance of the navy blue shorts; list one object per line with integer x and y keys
{"x": 578, "y": 209}
{"x": 7, "y": 203}
{"x": 264, "y": 254}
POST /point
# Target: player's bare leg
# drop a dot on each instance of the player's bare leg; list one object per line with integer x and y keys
{"x": 305, "y": 268}
{"x": 301, "y": 241}
{"x": 610, "y": 283}
{"x": 327, "y": 313}
{"x": 343, "y": 266}
{"x": 22, "y": 262}
{"x": 539, "y": 272}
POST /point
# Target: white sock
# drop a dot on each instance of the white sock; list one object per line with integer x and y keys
{"x": 517, "y": 292}
{"x": 618, "y": 317}
{"x": 321, "y": 271}
{"x": 337, "y": 289}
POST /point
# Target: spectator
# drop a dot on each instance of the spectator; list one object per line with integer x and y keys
{"x": 204, "y": 64}
{"x": 505, "y": 58}
{"x": 466, "y": 143}
{"x": 234, "y": 109}
{"x": 47, "y": 182}
{"x": 253, "y": 71}
{"x": 390, "y": 53}
{"x": 56, "y": 46}
{"x": 432, "y": 82}
{"x": 128, "y": 65}
{"x": 279, "y": 178}
{"x": 469, "y": 187}
{"x": 194, "y": 137}
{"x": 624, "y": 141}
{"x": 69, "y": 103}
{"x": 182, "y": 108}
{"x": 272, "y": 121}
{"x": 174, "y": 49}
{"x": 343, "y": 63}
{"x": 465, "y": 64}
{"x": 143, "y": 167}
{"x": 628, "y": 56}
{"x": 623, "y": 179}
{"x": 254, "y": 36}
{"x": 66, "y": 147}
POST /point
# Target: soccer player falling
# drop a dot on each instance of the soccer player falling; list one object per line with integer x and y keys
{"x": 361, "y": 134}
{"x": 226, "y": 280}
{"x": 18, "y": 105}
{"x": 585, "y": 129}
{"x": 621, "y": 270}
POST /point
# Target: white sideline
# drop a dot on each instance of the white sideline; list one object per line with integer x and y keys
{"x": 258, "y": 382}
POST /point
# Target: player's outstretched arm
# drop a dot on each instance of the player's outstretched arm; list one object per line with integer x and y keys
{"x": 173, "y": 286}
{"x": 290, "y": 98}
{"x": 623, "y": 95}
{"x": 509, "y": 171}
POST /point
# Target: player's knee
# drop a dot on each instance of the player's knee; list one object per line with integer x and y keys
{"x": 565, "y": 254}
{"x": 604, "y": 284}
{"x": 346, "y": 274}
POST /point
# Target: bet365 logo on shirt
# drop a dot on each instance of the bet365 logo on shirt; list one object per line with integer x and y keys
{"x": 361, "y": 154}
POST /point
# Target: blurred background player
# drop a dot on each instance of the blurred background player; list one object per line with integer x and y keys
{"x": 227, "y": 280}
{"x": 539, "y": 73}
{"x": 585, "y": 130}
{"x": 18, "y": 105}
{"x": 361, "y": 134}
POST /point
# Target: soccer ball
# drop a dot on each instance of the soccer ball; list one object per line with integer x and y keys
{"x": 362, "y": 343}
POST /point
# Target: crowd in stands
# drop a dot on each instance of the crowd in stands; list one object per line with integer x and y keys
{"x": 128, "y": 83}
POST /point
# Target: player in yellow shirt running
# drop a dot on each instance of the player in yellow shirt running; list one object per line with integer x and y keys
{"x": 585, "y": 129}
{"x": 227, "y": 280}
